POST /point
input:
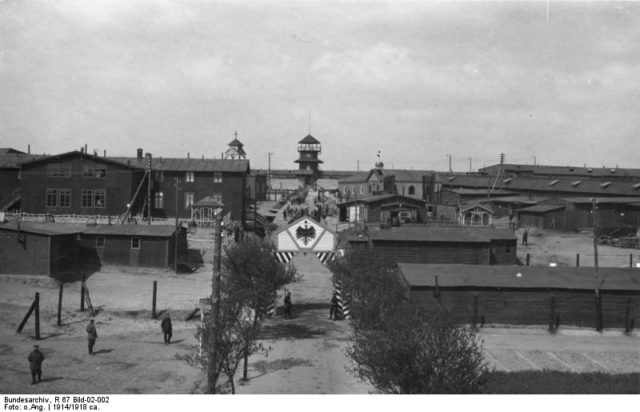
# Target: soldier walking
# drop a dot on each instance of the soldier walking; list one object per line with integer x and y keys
{"x": 287, "y": 305}
{"x": 166, "y": 329}
{"x": 333, "y": 311}
{"x": 35, "y": 364}
{"x": 92, "y": 335}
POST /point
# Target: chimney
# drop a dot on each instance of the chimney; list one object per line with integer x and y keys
{"x": 139, "y": 153}
{"x": 202, "y": 157}
{"x": 85, "y": 148}
{"x": 29, "y": 149}
{"x": 105, "y": 153}
{"x": 81, "y": 149}
{"x": 188, "y": 155}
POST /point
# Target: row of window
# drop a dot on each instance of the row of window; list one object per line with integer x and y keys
{"x": 189, "y": 199}
{"x": 88, "y": 198}
{"x": 135, "y": 242}
{"x": 88, "y": 171}
{"x": 190, "y": 177}
{"x": 373, "y": 188}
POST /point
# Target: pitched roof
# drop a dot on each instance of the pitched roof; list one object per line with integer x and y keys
{"x": 575, "y": 171}
{"x": 131, "y": 230}
{"x": 505, "y": 276}
{"x": 188, "y": 165}
{"x": 75, "y": 153}
{"x": 537, "y": 184}
{"x": 308, "y": 139}
{"x": 45, "y": 228}
{"x": 380, "y": 198}
{"x": 286, "y": 184}
{"x": 327, "y": 184}
{"x": 426, "y": 234}
{"x": 12, "y": 160}
{"x": 207, "y": 201}
{"x": 541, "y": 208}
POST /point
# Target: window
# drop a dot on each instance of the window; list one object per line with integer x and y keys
{"x": 101, "y": 171}
{"x": 93, "y": 199}
{"x": 189, "y": 177}
{"x": 188, "y": 200}
{"x": 412, "y": 190}
{"x": 58, "y": 198}
{"x": 135, "y": 243}
{"x": 217, "y": 197}
{"x": 158, "y": 200}
{"x": 217, "y": 177}
{"x": 64, "y": 198}
{"x": 100, "y": 242}
{"x": 52, "y": 198}
{"x": 159, "y": 176}
{"x": 87, "y": 171}
{"x": 59, "y": 170}
{"x": 94, "y": 171}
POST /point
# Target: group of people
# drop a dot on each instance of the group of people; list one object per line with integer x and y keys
{"x": 334, "y": 306}
{"x": 36, "y": 357}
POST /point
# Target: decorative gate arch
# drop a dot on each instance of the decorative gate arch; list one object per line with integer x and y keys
{"x": 305, "y": 235}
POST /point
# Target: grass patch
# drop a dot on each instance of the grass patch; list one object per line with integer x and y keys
{"x": 553, "y": 382}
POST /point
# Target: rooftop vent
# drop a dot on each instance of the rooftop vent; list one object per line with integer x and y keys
{"x": 636, "y": 186}
{"x": 505, "y": 181}
{"x": 576, "y": 183}
{"x": 605, "y": 185}
{"x": 553, "y": 182}
{"x": 613, "y": 170}
{"x": 451, "y": 179}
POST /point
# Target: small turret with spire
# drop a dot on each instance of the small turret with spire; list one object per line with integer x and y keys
{"x": 235, "y": 150}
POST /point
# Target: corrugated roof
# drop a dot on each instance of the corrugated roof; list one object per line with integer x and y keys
{"x": 188, "y": 165}
{"x": 379, "y": 198}
{"x": 563, "y": 170}
{"x": 14, "y": 160}
{"x": 501, "y": 276}
{"x": 588, "y": 187}
{"x": 75, "y": 153}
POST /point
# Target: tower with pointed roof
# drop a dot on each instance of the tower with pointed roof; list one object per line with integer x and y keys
{"x": 235, "y": 150}
{"x": 309, "y": 149}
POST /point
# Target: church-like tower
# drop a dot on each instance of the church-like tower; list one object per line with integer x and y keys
{"x": 235, "y": 150}
{"x": 309, "y": 149}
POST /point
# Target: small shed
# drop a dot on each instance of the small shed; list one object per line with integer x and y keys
{"x": 475, "y": 214}
{"x": 135, "y": 245}
{"x": 204, "y": 210}
{"x": 38, "y": 248}
{"x": 525, "y": 295}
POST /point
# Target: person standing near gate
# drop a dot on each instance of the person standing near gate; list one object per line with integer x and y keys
{"x": 92, "y": 335}
{"x": 166, "y": 329}
{"x": 333, "y": 312}
{"x": 35, "y": 364}
{"x": 287, "y": 305}
{"x": 525, "y": 237}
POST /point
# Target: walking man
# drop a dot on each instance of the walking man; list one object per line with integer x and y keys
{"x": 166, "y": 329}
{"x": 92, "y": 335}
{"x": 525, "y": 236}
{"x": 333, "y": 312}
{"x": 287, "y": 305}
{"x": 35, "y": 364}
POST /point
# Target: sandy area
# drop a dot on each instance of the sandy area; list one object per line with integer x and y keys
{"x": 306, "y": 353}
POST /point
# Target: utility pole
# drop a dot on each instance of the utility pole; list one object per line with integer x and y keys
{"x": 450, "y": 170}
{"x": 594, "y": 211}
{"x": 269, "y": 174}
{"x": 175, "y": 257}
{"x": 215, "y": 304}
{"x": 149, "y": 189}
{"x": 470, "y": 165}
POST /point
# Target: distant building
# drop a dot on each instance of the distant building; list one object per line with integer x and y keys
{"x": 561, "y": 172}
{"x": 10, "y": 161}
{"x": 423, "y": 244}
{"x": 411, "y": 183}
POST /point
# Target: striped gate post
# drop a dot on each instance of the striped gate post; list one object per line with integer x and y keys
{"x": 343, "y": 303}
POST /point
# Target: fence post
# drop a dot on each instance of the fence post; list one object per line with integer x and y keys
{"x": 153, "y": 305}
{"x": 577, "y": 260}
{"x": 552, "y": 315}
{"x": 475, "y": 310}
{"x": 599, "y": 325}
{"x": 630, "y": 260}
{"x": 627, "y": 317}
{"x": 37, "y": 315}
{"x": 528, "y": 258}
{"x": 60, "y": 304}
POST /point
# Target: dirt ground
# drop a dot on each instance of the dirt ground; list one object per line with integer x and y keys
{"x": 306, "y": 353}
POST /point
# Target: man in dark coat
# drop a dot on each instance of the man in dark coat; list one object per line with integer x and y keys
{"x": 287, "y": 305}
{"x": 35, "y": 364}
{"x": 525, "y": 237}
{"x": 333, "y": 312}
{"x": 92, "y": 335}
{"x": 166, "y": 329}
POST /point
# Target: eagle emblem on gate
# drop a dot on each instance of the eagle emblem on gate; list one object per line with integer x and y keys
{"x": 306, "y": 233}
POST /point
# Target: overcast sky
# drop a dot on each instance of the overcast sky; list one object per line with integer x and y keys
{"x": 416, "y": 80}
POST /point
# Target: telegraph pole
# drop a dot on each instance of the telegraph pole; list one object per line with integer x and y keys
{"x": 215, "y": 305}
{"x": 175, "y": 257}
{"x": 269, "y": 174}
{"x": 149, "y": 189}
{"x": 594, "y": 211}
